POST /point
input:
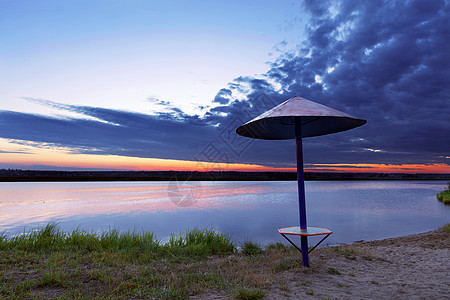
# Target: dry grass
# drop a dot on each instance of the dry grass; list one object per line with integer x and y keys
{"x": 48, "y": 263}
{"x": 188, "y": 268}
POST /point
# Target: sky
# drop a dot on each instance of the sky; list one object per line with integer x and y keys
{"x": 159, "y": 85}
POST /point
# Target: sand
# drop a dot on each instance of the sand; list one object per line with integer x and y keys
{"x": 410, "y": 267}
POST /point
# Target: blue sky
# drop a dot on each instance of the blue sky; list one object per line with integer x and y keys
{"x": 170, "y": 81}
{"x": 118, "y": 54}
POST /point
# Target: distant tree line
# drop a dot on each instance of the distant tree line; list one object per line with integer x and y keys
{"x": 10, "y": 175}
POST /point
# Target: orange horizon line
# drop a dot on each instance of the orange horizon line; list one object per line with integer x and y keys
{"x": 61, "y": 158}
{"x": 330, "y": 169}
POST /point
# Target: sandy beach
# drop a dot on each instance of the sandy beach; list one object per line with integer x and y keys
{"x": 410, "y": 267}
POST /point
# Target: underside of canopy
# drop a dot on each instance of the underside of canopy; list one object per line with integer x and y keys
{"x": 315, "y": 119}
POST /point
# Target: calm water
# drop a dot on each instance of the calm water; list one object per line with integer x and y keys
{"x": 353, "y": 210}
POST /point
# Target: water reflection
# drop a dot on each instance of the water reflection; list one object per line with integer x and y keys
{"x": 352, "y": 210}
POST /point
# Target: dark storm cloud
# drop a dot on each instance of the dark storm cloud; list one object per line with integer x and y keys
{"x": 115, "y": 132}
{"x": 223, "y": 96}
{"x": 386, "y": 62}
{"x": 168, "y": 109}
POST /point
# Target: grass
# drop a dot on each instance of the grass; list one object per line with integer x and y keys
{"x": 444, "y": 196}
{"x": 193, "y": 244}
{"x": 248, "y": 294}
{"x": 250, "y": 248}
{"x": 348, "y": 254}
{"x": 49, "y": 263}
{"x": 446, "y": 228}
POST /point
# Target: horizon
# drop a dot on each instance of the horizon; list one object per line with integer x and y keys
{"x": 216, "y": 171}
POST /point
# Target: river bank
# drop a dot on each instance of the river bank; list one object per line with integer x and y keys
{"x": 203, "y": 266}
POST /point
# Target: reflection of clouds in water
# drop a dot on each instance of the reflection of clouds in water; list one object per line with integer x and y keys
{"x": 62, "y": 192}
{"x": 182, "y": 193}
{"x": 63, "y": 200}
{"x": 372, "y": 185}
{"x": 242, "y": 209}
{"x": 390, "y": 200}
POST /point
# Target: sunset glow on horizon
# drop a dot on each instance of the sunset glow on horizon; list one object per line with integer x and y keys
{"x": 29, "y": 157}
{"x": 380, "y": 168}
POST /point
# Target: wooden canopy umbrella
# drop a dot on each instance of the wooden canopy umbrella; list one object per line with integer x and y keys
{"x": 298, "y": 118}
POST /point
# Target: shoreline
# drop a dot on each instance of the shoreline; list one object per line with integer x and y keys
{"x": 407, "y": 267}
{"x": 76, "y": 176}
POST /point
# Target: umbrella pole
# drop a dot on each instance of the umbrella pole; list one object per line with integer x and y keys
{"x": 301, "y": 192}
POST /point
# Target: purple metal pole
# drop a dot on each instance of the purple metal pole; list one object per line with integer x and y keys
{"x": 301, "y": 191}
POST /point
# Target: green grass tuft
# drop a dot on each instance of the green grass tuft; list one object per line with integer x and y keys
{"x": 199, "y": 243}
{"x": 283, "y": 265}
{"x": 250, "y": 248}
{"x": 276, "y": 246}
{"x": 196, "y": 243}
{"x": 444, "y": 196}
{"x": 52, "y": 278}
{"x": 248, "y": 294}
{"x": 447, "y": 228}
